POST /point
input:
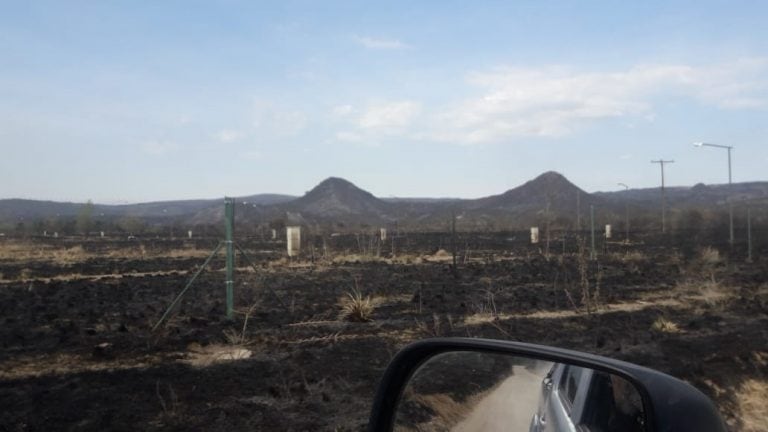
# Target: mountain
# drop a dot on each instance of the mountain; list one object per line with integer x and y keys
{"x": 694, "y": 196}
{"x": 338, "y": 202}
{"x": 24, "y": 209}
{"x": 549, "y": 188}
{"x": 335, "y": 197}
{"x": 266, "y": 199}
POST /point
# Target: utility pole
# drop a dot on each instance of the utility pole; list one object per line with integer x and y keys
{"x": 661, "y": 162}
{"x": 626, "y": 214}
{"x": 730, "y": 201}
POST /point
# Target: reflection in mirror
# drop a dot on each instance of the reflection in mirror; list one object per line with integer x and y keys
{"x": 467, "y": 391}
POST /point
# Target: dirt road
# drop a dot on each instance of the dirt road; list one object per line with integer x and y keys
{"x": 511, "y": 405}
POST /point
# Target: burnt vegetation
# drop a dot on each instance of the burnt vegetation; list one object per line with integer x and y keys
{"x": 312, "y": 334}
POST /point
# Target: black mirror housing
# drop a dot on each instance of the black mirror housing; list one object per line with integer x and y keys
{"x": 670, "y": 404}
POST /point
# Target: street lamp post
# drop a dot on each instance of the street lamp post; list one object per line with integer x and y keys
{"x": 730, "y": 203}
{"x": 626, "y": 214}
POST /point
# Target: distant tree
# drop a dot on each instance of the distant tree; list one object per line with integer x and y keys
{"x": 642, "y": 222}
{"x": 53, "y": 224}
{"x": 85, "y": 218}
{"x": 131, "y": 225}
{"x": 21, "y": 229}
{"x": 38, "y": 226}
{"x": 277, "y": 224}
{"x": 68, "y": 226}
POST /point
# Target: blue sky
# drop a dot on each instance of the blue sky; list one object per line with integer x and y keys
{"x": 135, "y": 101}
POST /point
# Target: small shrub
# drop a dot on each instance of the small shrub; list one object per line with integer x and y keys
{"x": 663, "y": 325}
{"x": 234, "y": 337}
{"x": 170, "y": 414}
{"x": 707, "y": 263}
{"x": 710, "y": 256}
{"x": 25, "y": 274}
{"x": 713, "y": 294}
{"x": 434, "y": 330}
{"x": 356, "y": 308}
{"x": 485, "y": 280}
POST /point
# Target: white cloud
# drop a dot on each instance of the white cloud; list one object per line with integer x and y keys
{"x": 381, "y": 43}
{"x": 342, "y": 110}
{"x": 625, "y": 156}
{"x": 377, "y": 122}
{"x": 228, "y": 135}
{"x": 275, "y": 120}
{"x": 555, "y": 101}
{"x": 347, "y": 136}
{"x": 513, "y": 103}
{"x": 251, "y": 155}
{"x": 289, "y": 122}
{"x": 389, "y": 115}
{"x": 158, "y": 147}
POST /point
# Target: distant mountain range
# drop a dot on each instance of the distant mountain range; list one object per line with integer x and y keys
{"x": 339, "y": 202}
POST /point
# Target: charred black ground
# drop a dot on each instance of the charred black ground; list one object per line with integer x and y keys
{"x": 78, "y": 353}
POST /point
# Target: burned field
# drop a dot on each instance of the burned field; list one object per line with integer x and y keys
{"x": 312, "y": 335}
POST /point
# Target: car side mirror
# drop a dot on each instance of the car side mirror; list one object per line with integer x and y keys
{"x": 462, "y": 384}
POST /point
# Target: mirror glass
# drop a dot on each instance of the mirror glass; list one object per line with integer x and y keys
{"x": 477, "y": 391}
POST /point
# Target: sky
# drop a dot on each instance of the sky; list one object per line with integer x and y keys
{"x": 130, "y": 101}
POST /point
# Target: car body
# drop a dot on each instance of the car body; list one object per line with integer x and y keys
{"x": 575, "y": 399}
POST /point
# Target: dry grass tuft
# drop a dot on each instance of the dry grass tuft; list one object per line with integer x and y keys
{"x": 706, "y": 264}
{"x": 629, "y": 256}
{"x": 355, "y": 307}
{"x": 712, "y": 293}
{"x": 710, "y": 256}
{"x": 240, "y": 338}
{"x": 25, "y": 274}
{"x": 663, "y": 325}
{"x": 753, "y": 404}
{"x": 63, "y": 254}
{"x": 19, "y": 251}
{"x": 485, "y": 280}
{"x": 479, "y": 318}
{"x": 355, "y": 258}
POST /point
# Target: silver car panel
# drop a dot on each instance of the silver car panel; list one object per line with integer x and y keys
{"x": 556, "y": 413}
